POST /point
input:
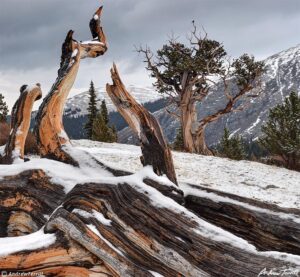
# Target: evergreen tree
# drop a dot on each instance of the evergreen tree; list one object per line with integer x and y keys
{"x": 102, "y": 131}
{"x": 104, "y": 111}
{"x": 231, "y": 147}
{"x": 182, "y": 71}
{"x": 115, "y": 133}
{"x": 178, "y": 143}
{"x": 282, "y": 132}
{"x": 3, "y": 109}
{"x": 92, "y": 111}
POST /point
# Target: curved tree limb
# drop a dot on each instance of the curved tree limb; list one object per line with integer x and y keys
{"x": 20, "y": 123}
{"x": 154, "y": 147}
{"x": 49, "y": 129}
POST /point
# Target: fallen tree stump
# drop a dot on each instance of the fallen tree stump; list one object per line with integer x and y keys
{"x": 20, "y": 123}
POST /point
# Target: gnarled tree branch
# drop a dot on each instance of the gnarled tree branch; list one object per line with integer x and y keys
{"x": 154, "y": 147}
{"x": 49, "y": 129}
{"x": 20, "y": 123}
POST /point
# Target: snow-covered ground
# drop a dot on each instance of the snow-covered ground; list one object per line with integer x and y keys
{"x": 249, "y": 179}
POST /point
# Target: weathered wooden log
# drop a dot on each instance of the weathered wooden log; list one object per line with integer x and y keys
{"x": 266, "y": 226}
{"x": 155, "y": 149}
{"x": 26, "y": 202}
{"x": 63, "y": 257}
{"x": 134, "y": 230}
{"x": 20, "y": 123}
{"x": 49, "y": 129}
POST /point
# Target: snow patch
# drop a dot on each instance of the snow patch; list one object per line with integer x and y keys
{"x": 33, "y": 241}
{"x": 95, "y": 214}
{"x": 188, "y": 190}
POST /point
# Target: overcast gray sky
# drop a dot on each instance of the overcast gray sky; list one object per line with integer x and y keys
{"x": 32, "y": 31}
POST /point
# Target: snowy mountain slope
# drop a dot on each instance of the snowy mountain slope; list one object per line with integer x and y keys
{"x": 281, "y": 77}
{"x": 249, "y": 179}
{"x": 77, "y": 105}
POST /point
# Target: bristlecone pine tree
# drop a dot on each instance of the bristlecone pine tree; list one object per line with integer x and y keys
{"x": 101, "y": 130}
{"x": 187, "y": 72}
{"x": 231, "y": 147}
{"x": 92, "y": 111}
{"x": 3, "y": 109}
{"x": 178, "y": 143}
{"x": 282, "y": 132}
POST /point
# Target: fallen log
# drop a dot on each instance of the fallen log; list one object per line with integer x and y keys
{"x": 134, "y": 230}
{"x": 26, "y": 202}
{"x": 20, "y": 123}
{"x": 266, "y": 226}
{"x": 49, "y": 130}
{"x": 154, "y": 147}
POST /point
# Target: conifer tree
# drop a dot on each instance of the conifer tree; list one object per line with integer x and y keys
{"x": 182, "y": 71}
{"x": 102, "y": 131}
{"x": 99, "y": 130}
{"x": 282, "y": 132}
{"x": 178, "y": 143}
{"x": 104, "y": 111}
{"x": 3, "y": 109}
{"x": 115, "y": 133}
{"x": 231, "y": 147}
{"x": 92, "y": 111}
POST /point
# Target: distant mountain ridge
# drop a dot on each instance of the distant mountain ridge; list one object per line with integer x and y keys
{"x": 77, "y": 105}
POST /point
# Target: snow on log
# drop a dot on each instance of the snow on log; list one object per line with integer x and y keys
{"x": 132, "y": 229}
{"x": 49, "y": 129}
{"x": 20, "y": 123}
{"x": 266, "y": 226}
{"x": 155, "y": 149}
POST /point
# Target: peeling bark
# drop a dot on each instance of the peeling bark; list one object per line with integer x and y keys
{"x": 50, "y": 133}
{"x": 20, "y": 123}
{"x": 154, "y": 146}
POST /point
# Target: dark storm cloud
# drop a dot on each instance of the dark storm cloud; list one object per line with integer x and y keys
{"x": 31, "y": 31}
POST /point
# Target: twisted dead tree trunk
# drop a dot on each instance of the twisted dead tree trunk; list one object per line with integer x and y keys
{"x": 131, "y": 229}
{"x": 232, "y": 105}
{"x": 51, "y": 137}
{"x": 20, "y": 123}
{"x": 154, "y": 147}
